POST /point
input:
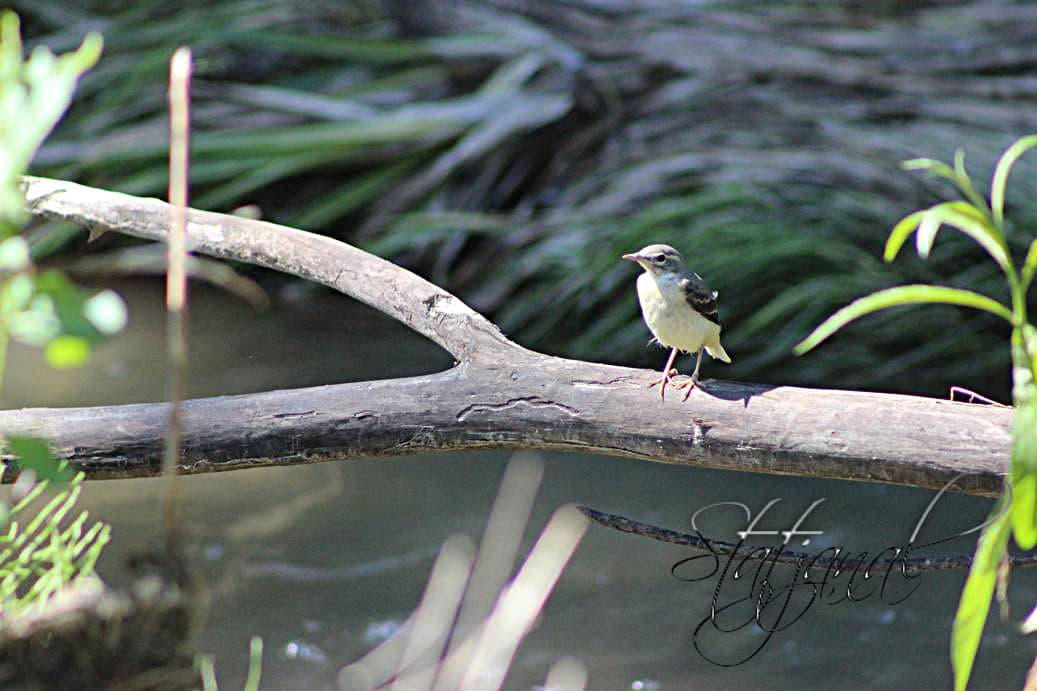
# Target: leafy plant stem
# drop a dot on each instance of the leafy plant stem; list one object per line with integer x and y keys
{"x": 4, "y": 338}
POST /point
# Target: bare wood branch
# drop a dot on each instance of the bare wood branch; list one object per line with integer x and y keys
{"x": 499, "y": 395}
{"x": 424, "y": 307}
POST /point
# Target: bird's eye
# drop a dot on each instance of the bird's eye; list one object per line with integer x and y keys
{"x": 659, "y": 258}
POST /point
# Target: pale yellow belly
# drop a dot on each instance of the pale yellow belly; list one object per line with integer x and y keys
{"x": 671, "y": 320}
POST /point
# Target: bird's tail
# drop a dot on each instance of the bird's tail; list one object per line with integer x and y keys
{"x": 717, "y": 351}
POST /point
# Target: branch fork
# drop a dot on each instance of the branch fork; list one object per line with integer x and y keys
{"x": 498, "y": 394}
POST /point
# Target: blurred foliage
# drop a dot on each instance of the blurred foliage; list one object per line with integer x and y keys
{"x": 34, "y": 94}
{"x": 42, "y": 550}
{"x": 206, "y": 665}
{"x": 982, "y": 221}
{"x": 513, "y": 150}
{"x": 35, "y": 455}
{"x": 42, "y": 309}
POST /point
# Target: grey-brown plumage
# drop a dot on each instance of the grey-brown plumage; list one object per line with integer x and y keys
{"x": 700, "y": 297}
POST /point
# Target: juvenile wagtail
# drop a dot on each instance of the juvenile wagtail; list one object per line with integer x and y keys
{"x": 680, "y": 310}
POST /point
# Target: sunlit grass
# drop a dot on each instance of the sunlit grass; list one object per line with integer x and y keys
{"x": 44, "y": 550}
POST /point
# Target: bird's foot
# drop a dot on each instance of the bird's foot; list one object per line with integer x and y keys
{"x": 667, "y": 378}
{"x": 691, "y": 384}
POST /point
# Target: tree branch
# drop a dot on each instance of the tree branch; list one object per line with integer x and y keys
{"x": 424, "y": 307}
{"x": 499, "y": 395}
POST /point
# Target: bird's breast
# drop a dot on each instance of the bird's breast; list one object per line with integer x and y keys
{"x": 653, "y": 304}
{"x": 669, "y": 316}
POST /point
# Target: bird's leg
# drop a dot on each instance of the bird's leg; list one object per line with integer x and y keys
{"x": 694, "y": 381}
{"x": 668, "y": 373}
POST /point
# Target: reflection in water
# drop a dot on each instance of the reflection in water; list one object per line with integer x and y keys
{"x": 316, "y": 574}
{"x": 278, "y": 519}
{"x": 331, "y": 559}
{"x": 473, "y": 616}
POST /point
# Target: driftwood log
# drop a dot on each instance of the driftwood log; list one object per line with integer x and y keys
{"x": 498, "y": 394}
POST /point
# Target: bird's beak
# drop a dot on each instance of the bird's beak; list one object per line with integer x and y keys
{"x": 632, "y": 257}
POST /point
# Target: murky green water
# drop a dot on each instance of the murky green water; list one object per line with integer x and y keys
{"x": 325, "y": 561}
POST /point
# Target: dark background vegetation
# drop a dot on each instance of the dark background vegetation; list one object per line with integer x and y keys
{"x": 511, "y": 151}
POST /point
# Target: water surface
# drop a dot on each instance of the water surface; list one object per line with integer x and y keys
{"x": 324, "y": 561}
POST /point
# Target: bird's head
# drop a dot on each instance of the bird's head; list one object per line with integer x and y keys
{"x": 658, "y": 259}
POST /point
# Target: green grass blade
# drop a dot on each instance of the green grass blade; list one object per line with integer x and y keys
{"x": 965, "y": 183}
{"x": 207, "y": 670}
{"x": 1000, "y": 179}
{"x": 960, "y": 215}
{"x": 356, "y": 192}
{"x": 926, "y": 235}
{"x": 900, "y": 233}
{"x": 93, "y": 553}
{"x": 901, "y": 295}
{"x": 372, "y": 50}
{"x": 1024, "y": 502}
{"x": 975, "y": 598}
{"x": 956, "y": 175}
{"x": 255, "y": 664}
{"x": 971, "y": 221}
{"x": 1024, "y": 439}
{"x": 1029, "y": 266}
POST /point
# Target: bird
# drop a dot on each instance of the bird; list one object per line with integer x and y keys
{"x": 679, "y": 309}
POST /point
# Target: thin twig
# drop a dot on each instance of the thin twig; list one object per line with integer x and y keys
{"x": 755, "y": 552}
{"x": 973, "y": 396}
{"x": 176, "y": 278}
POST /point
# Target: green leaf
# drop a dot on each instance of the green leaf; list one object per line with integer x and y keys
{"x": 965, "y": 183}
{"x": 971, "y": 221}
{"x": 15, "y": 294}
{"x": 975, "y": 598}
{"x": 959, "y": 164}
{"x": 1030, "y": 625}
{"x": 106, "y": 311}
{"x": 34, "y": 94}
{"x": 1029, "y": 266}
{"x": 961, "y": 215}
{"x": 1024, "y": 365}
{"x": 1024, "y": 445}
{"x": 926, "y": 235}
{"x": 35, "y": 454}
{"x": 255, "y": 664}
{"x": 1024, "y": 507}
{"x": 901, "y": 295}
{"x": 1000, "y": 179}
{"x": 14, "y": 254}
{"x": 900, "y": 233}
{"x": 931, "y": 166}
{"x": 36, "y": 324}
{"x": 956, "y": 175}
{"x": 69, "y": 305}
{"x": 65, "y": 352}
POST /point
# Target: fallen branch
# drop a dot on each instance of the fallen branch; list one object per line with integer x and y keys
{"x": 498, "y": 395}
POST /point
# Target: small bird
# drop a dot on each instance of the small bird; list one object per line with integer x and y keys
{"x": 680, "y": 310}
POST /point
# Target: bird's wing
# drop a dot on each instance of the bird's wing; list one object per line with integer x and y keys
{"x": 700, "y": 297}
